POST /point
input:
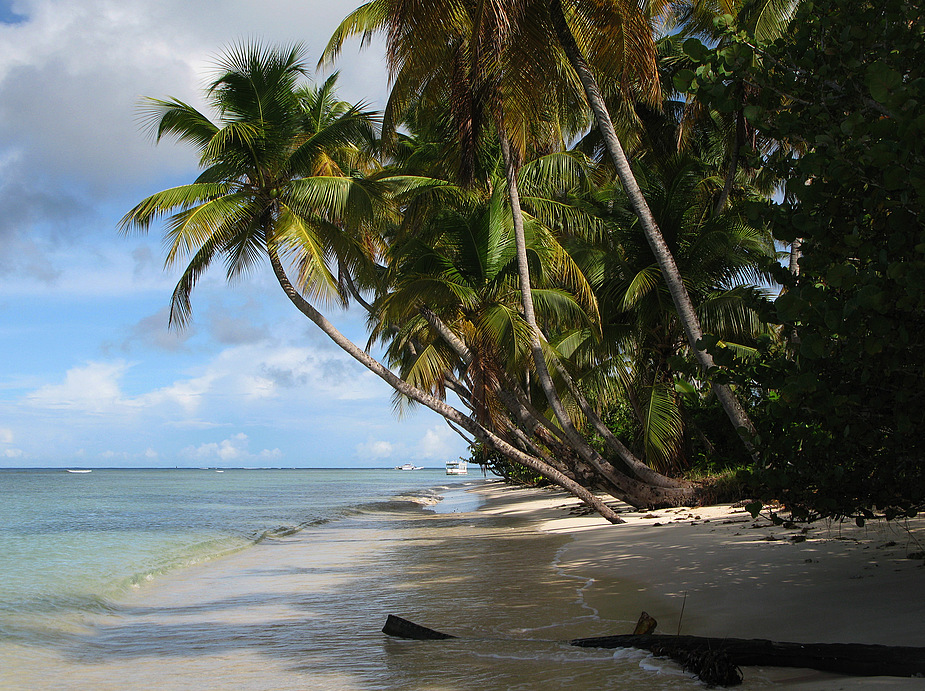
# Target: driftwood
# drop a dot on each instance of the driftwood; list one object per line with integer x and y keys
{"x": 402, "y": 628}
{"x": 716, "y": 660}
{"x": 855, "y": 659}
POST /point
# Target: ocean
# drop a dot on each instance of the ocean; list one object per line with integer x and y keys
{"x": 282, "y": 579}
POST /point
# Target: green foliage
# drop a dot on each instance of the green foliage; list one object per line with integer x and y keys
{"x": 278, "y": 176}
{"x": 845, "y": 404}
{"x": 720, "y": 256}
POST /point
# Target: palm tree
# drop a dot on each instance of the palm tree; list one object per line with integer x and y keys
{"x": 454, "y": 281}
{"x": 720, "y": 256}
{"x": 455, "y": 297}
{"x": 498, "y": 57}
{"x": 666, "y": 261}
{"x": 466, "y": 68}
{"x": 280, "y": 181}
{"x": 478, "y": 68}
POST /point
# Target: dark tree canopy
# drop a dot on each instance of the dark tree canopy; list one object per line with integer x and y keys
{"x": 842, "y": 96}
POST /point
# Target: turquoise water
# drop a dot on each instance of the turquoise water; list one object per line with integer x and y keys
{"x": 72, "y": 540}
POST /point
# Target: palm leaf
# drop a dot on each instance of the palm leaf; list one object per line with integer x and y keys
{"x": 162, "y": 117}
{"x": 662, "y": 427}
{"x": 298, "y": 239}
{"x": 189, "y": 229}
{"x": 166, "y": 201}
{"x": 365, "y": 21}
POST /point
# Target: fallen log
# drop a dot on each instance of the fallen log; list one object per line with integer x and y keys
{"x": 856, "y": 659}
{"x": 699, "y": 652}
{"x": 402, "y": 628}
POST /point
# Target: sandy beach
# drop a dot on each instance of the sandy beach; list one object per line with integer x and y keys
{"x": 735, "y": 576}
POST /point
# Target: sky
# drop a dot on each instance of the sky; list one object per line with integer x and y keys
{"x": 90, "y": 374}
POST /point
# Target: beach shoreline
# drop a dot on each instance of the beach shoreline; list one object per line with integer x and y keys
{"x": 513, "y": 572}
{"x": 739, "y": 577}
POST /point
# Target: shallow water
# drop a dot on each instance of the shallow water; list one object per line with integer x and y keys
{"x": 304, "y": 611}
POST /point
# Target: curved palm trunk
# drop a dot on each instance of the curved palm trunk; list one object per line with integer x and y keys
{"x": 623, "y": 483}
{"x": 431, "y": 402}
{"x": 663, "y": 256}
{"x": 636, "y": 467}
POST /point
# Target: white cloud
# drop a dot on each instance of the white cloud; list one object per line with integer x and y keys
{"x": 375, "y": 449}
{"x": 435, "y": 444}
{"x": 231, "y": 450}
{"x": 73, "y": 157}
{"x": 101, "y": 56}
{"x": 93, "y": 388}
{"x": 6, "y": 437}
{"x": 241, "y": 377}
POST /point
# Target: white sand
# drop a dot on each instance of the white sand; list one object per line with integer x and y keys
{"x": 739, "y": 577}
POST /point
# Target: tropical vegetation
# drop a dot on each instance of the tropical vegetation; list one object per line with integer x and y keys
{"x": 566, "y": 230}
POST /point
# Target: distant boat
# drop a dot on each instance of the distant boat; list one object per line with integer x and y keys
{"x": 408, "y": 466}
{"x": 459, "y": 467}
{"x": 79, "y": 471}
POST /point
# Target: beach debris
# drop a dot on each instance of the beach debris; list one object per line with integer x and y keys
{"x": 646, "y": 624}
{"x": 719, "y": 659}
{"x": 857, "y": 659}
{"x": 402, "y": 628}
{"x": 712, "y": 667}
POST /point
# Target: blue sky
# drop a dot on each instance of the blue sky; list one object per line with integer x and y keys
{"x": 89, "y": 373}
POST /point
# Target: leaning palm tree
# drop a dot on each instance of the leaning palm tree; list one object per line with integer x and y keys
{"x": 721, "y": 255}
{"x": 477, "y": 66}
{"x": 573, "y": 31}
{"x": 452, "y": 317}
{"x": 450, "y": 321}
{"x": 281, "y": 181}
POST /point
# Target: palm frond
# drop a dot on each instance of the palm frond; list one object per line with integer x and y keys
{"x": 299, "y": 241}
{"x": 662, "y": 427}
{"x": 162, "y": 117}
{"x": 365, "y": 21}
{"x": 167, "y": 201}
{"x": 180, "y": 307}
{"x": 642, "y": 284}
{"x": 190, "y": 228}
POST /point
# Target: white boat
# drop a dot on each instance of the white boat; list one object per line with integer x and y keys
{"x": 459, "y": 467}
{"x": 408, "y": 466}
{"x": 78, "y": 471}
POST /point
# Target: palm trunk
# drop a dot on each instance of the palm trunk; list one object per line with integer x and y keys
{"x": 738, "y": 136}
{"x": 663, "y": 256}
{"x": 796, "y": 251}
{"x": 435, "y": 404}
{"x": 622, "y": 483}
{"x": 634, "y": 465}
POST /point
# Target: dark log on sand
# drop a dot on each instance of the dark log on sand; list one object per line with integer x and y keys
{"x": 697, "y": 652}
{"x": 402, "y": 628}
{"x": 856, "y": 659}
